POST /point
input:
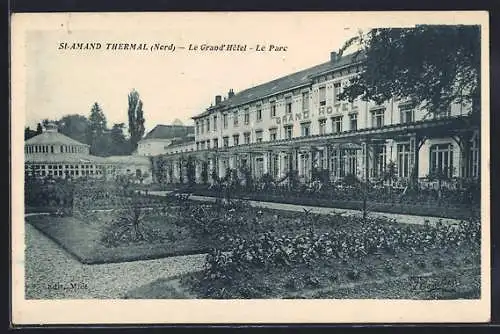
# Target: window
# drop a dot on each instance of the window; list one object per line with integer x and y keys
{"x": 224, "y": 121}
{"x": 288, "y": 131}
{"x": 407, "y": 115}
{"x": 273, "y": 109}
{"x": 403, "y": 160}
{"x": 337, "y": 124}
{"x": 259, "y": 114}
{"x": 208, "y": 124}
{"x": 258, "y": 136}
{"x": 275, "y": 165}
{"x": 322, "y": 96}
{"x": 288, "y": 104}
{"x": 322, "y": 126}
{"x": 52, "y": 149}
{"x": 474, "y": 158}
{"x": 202, "y": 127}
{"x": 378, "y": 118}
{"x": 197, "y": 146}
{"x": 379, "y": 163}
{"x": 246, "y": 137}
{"x": 305, "y": 101}
{"x": 336, "y": 93}
{"x": 197, "y": 131}
{"x": 353, "y": 122}
{"x": 236, "y": 140}
{"x": 343, "y": 161}
{"x": 247, "y": 116}
{"x": 351, "y": 161}
{"x": 273, "y": 134}
{"x": 441, "y": 160}
{"x": 216, "y": 142}
{"x": 235, "y": 118}
{"x": 225, "y": 142}
{"x": 215, "y": 122}
{"x": 305, "y": 129}
{"x": 208, "y": 144}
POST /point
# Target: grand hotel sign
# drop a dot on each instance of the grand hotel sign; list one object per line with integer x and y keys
{"x": 304, "y": 115}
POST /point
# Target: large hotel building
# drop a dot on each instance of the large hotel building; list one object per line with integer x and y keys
{"x": 297, "y": 122}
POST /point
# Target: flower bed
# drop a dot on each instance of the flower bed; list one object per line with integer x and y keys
{"x": 429, "y": 209}
{"x": 312, "y": 262}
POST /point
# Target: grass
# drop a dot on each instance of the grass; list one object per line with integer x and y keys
{"x": 84, "y": 241}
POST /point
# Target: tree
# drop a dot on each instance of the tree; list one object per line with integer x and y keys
{"x": 97, "y": 136}
{"x": 75, "y": 126}
{"x": 97, "y": 119}
{"x": 433, "y": 65}
{"x": 28, "y": 133}
{"x": 120, "y": 144}
{"x": 135, "y": 118}
{"x": 39, "y": 129}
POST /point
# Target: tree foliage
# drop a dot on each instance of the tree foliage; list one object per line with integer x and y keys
{"x": 120, "y": 144}
{"x": 28, "y": 133}
{"x": 433, "y": 65}
{"x": 97, "y": 119}
{"x": 135, "y": 118}
{"x": 75, "y": 126}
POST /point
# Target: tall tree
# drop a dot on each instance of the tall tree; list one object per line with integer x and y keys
{"x": 97, "y": 119}
{"x": 39, "y": 129}
{"x": 434, "y": 65}
{"x": 97, "y": 135}
{"x": 135, "y": 118}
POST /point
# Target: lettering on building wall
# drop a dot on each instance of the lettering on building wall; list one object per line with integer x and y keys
{"x": 290, "y": 118}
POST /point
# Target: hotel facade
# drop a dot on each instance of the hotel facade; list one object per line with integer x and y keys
{"x": 298, "y": 123}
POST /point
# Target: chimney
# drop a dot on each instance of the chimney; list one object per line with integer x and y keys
{"x": 218, "y": 99}
{"x": 230, "y": 94}
{"x": 334, "y": 56}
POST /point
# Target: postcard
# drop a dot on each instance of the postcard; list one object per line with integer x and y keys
{"x": 250, "y": 167}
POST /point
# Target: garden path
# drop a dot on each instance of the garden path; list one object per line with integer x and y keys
{"x": 400, "y": 218}
{"x": 47, "y": 263}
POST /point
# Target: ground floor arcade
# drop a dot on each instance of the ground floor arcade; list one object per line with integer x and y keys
{"x": 448, "y": 148}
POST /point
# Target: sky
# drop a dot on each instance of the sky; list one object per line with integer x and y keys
{"x": 172, "y": 85}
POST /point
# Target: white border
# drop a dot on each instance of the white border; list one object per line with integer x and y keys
{"x": 230, "y": 311}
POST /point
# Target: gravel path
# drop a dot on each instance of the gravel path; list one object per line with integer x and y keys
{"x": 400, "y": 218}
{"x": 51, "y": 273}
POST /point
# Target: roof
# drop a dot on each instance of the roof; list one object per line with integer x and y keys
{"x": 169, "y": 131}
{"x": 282, "y": 84}
{"x": 47, "y": 138}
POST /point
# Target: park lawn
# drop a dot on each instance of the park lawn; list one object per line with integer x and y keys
{"x": 84, "y": 240}
{"x": 456, "y": 275}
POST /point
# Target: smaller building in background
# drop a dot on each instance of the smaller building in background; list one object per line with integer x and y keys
{"x": 52, "y": 154}
{"x": 166, "y": 138}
